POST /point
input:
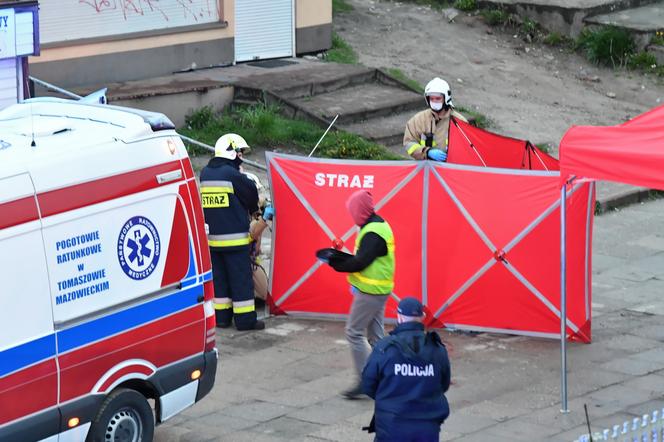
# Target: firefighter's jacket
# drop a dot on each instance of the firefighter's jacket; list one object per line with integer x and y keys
{"x": 229, "y": 197}
{"x": 424, "y": 122}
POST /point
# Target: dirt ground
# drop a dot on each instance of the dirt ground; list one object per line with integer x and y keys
{"x": 527, "y": 90}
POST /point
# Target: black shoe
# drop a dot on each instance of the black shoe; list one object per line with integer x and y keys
{"x": 258, "y": 325}
{"x": 353, "y": 393}
{"x": 224, "y": 324}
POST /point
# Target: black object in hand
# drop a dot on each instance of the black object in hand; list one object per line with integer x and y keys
{"x": 428, "y": 140}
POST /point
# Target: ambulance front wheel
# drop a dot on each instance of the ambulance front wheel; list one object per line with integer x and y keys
{"x": 125, "y": 416}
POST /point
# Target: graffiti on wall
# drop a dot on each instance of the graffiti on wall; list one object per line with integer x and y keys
{"x": 195, "y": 10}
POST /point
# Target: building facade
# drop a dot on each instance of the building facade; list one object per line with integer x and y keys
{"x": 85, "y": 42}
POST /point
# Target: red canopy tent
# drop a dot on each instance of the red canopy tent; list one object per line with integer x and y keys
{"x": 632, "y": 152}
{"x": 478, "y": 245}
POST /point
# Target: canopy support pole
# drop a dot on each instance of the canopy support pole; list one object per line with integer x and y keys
{"x": 563, "y": 301}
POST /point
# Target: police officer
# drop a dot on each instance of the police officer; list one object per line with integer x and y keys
{"x": 229, "y": 198}
{"x": 407, "y": 375}
{"x": 426, "y": 133}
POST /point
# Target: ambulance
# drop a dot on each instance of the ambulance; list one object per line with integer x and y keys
{"x": 106, "y": 319}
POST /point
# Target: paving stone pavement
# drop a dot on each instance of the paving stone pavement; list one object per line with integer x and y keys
{"x": 283, "y": 384}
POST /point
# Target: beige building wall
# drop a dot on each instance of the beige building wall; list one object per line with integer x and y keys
{"x": 151, "y": 54}
{"x": 313, "y": 25}
{"x": 108, "y": 60}
{"x": 313, "y": 13}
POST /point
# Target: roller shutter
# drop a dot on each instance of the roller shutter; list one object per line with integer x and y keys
{"x": 263, "y": 29}
{"x": 8, "y": 82}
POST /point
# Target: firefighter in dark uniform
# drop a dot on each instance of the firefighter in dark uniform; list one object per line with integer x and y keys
{"x": 229, "y": 198}
{"x": 407, "y": 375}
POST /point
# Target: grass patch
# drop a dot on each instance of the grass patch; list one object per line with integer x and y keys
{"x": 262, "y": 125}
{"x": 658, "y": 39}
{"x": 341, "y": 6}
{"x": 642, "y": 60}
{"x": 608, "y": 45}
{"x": 477, "y": 119}
{"x": 399, "y": 75}
{"x": 341, "y": 52}
{"x": 495, "y": 17}
{"x": 465, "y": 5}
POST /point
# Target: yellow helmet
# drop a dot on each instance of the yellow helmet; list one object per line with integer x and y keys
{"x": 227, "y": 146}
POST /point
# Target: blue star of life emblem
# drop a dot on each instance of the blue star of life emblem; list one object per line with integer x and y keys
{"x": 138, "y": 247}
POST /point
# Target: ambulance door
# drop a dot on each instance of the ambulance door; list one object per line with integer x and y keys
{"x": 28, "y": 371}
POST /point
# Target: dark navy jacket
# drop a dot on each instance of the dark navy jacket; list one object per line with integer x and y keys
{"x": 233, "y": 219}
{"x": 407, "y": 375}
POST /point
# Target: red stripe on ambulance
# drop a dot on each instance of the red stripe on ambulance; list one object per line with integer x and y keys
{"x": 105, "y": 189}
{"x": 17, "y": 212}
{"x": 28, "y": 391}
{"x": 161, "y": 342}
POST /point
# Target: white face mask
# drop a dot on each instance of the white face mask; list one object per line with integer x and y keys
{"x": 436, "y": 106}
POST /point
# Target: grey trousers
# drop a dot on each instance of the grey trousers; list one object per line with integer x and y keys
{"x": 364, "y": 325}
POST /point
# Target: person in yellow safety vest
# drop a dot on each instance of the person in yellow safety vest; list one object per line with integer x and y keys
{"x": 371, "y": 278}
{"x": 229, "y": 198}
{"x": 426, "y": 134}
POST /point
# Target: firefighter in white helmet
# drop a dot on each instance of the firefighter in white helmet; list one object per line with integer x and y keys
{"x": 426, "y": 133}
{"x": 257, "y": 225}
{"x": 229, "y": 198}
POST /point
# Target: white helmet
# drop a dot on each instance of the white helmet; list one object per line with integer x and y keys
{"x": 228, "y": 145}
{"x": 439, "y": 87}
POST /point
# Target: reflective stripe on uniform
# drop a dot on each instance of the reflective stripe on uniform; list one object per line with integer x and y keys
{"x": 216, "y": 183}
{"x": 222, "y": 303}
{"x": 412, "y": 147}
{"x": 378, "y": 282}
{"x": 217, "y": 189}
{"x": 229, "y": 240}
{"x": 244, "y": 306}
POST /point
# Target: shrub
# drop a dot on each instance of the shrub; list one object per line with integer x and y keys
{"x": 341, "y": 52}
{"x": 495, "y": 17}
{"x": 658, "y": 39}
{"x": 263, "y": 125}
{"x": 465, "y": 5}
{"x": 553, "y": 39}
{"x": 341, "y": 6}
{"x": 528, "y": 27}
{"x": 643, "y": 60}
{"x": 609, "y": 45}
{"x": 200, "y": 118}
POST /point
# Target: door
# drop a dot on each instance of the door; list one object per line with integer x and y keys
{"x": 264, "y": 29}
{"x": 28, "y": 372}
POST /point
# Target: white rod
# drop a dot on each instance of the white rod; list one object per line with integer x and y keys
{"x": 54, "y": 87}
{"x": 563, "y": 302}
{"x": 321, "y": 138}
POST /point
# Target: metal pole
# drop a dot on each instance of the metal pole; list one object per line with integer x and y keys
{"x": 563, "y": 302}
{"x": 321, "y": 138}
{"x": 211, "y": 149}
{"x": 54, "y": 87}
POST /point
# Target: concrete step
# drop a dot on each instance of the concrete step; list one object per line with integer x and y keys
{"x": 563, "y": 16}
{"x": 377, "y": 100}
{"x": 386, "y": 130}
{"x": 309, "y": 79}
{"x": 642, "y": 22}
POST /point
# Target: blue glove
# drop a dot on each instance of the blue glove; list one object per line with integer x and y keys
{"x": 268, "y": 213}
{"x": 437, "y": 155}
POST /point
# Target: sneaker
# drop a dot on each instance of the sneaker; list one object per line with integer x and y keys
{"x": 258, "y": 325}
{"x": 352, "y": 393}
